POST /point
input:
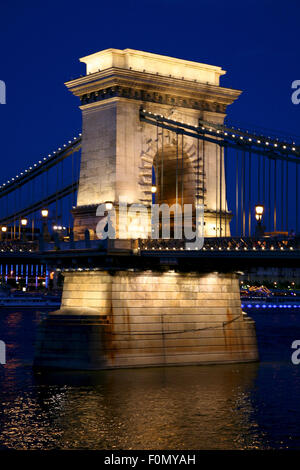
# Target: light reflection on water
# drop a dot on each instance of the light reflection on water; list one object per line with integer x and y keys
{"x": 206, "y": 407}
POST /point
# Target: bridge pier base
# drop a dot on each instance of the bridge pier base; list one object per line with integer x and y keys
{"x": 140, "y": 319}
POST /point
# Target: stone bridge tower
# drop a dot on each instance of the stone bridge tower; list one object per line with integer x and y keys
{"x": 118, "y": 150}
{"x": 152, "y": 314}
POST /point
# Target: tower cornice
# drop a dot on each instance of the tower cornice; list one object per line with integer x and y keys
{"x": 144, "y": 86}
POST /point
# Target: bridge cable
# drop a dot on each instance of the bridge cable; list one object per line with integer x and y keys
{"x": 203, "y": 172}
{"x": 249, "y": 194}
{"x": 287, "y": 197}
{"x": 275, "y": 195}
{"x": 221, "y": 176}
{"x": 156, "y": 170}
{"x": 162, "y": 167}
{"x": 269, "y": 197}
{"x": 244, "y": 192}
{"x": 237, "y": 194}
{"x": 282, "y": 192}
{"x": 225, "y": 175}
{"x": 72, "y": 196}
{"x": 297, "y": 197}
{"x": 264, "y": 182}
{"x": 176, "y": 194}
{"x": 56, "y": 208}
{"x": 61, "y": 201}
{"x": 182, "y": 172}
{"x": 217, "y": 185}
{"x": 198, "y": 173}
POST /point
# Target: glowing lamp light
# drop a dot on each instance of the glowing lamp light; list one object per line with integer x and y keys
{"x": 44, "y": 213}
{"x": 24, "y": 221}
{"x": 4, "y": 229}
{"x": 259, "y": 210}
{"x": 108, "y": 205}
{"x": 153, "y": 189}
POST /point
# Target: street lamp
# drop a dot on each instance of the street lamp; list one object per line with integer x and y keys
{"x": 45, "y": 232}
{"x": 44, "y": 213}
{"x": 23, "y": 223}
{"x": 259, "y": 210}
{"x": 153, "y": 189}
{"x": 108, "y": 205}
{"x": 3, "y": 231}
{"x": 259, "y": 229}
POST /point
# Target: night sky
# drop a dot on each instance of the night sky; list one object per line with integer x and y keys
{"x": 256, "y": 42}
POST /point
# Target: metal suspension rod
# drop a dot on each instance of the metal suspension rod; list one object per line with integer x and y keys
{"x": 237, "y": 194}
{"x": 282, "y": 193}
{"x": 287, "y": 196}
{"x": 182, "y": 173}
{"x": 249, "y": 197}
{"x": 62, "y": 181}
{"x": 203, "y": 173}
{"x": 198, "y": 173}
{"x": 217, "y": 185}
{"x": 269, "y": 199}
{"x": 221, "y": 168}
{"x": 258, "y": 178}
{"x": 244, "y": 193}
{"x": 264, "y": 181}
{"x": 225, "y": 175}
{"x": 297, "y": 198}
{"x": 156, "y": 169}
{"x": 56, "y": 208}
{"x": 162, "y": 167}
{"x": 72, "y": 179}
{"x": 275, "y": 195}
{"x": 176, "y": 173}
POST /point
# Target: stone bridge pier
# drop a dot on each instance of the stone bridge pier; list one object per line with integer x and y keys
{"x": 140, "y": 318}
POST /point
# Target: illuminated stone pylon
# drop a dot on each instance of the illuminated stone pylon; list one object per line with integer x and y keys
{"x": 146, "y": 315}
{"x": 118, "y": 150}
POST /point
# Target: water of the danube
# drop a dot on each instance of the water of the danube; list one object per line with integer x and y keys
{"x": 239, "y": 406}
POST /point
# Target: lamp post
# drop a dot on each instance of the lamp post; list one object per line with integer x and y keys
{"x": 259, "y": 210}
{"x": 59, "y": 231}
{"x": 45, "y": 231}
{"x": 44, "y": 213}
{"x": 3, "y": 231}
{"x": 109, "y": 205}
{"x": 259, "y": 230}
{"x": 153, "y": 191}
{"x": 23, "y": 223}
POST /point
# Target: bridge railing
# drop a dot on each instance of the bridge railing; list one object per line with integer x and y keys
{"x": 225, "y": 244}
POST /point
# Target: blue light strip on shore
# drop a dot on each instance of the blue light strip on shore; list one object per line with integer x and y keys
{"x": 269, "y": 306}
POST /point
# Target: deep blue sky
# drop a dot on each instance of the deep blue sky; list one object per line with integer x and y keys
{"x": 41, "y": 42}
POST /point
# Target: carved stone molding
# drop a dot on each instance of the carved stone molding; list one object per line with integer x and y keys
{"x": 152, "y": 97}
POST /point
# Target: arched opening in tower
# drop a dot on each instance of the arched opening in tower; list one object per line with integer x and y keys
{"x": 174, "y": 180}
